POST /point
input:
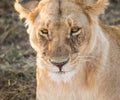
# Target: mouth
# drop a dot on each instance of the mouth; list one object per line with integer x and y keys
{"x": 64, "y": 76}
{"x": 61, "y": 72}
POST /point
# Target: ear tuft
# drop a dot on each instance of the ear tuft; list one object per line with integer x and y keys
{"x": 24, "y": 7}
{"x": 97, "y": 8}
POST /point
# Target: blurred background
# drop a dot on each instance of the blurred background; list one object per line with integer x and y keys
{"x": 17, "y": 58}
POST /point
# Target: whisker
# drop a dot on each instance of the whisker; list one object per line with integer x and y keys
{"x": 84, "y": 59}
{"x": 88, "y": 57}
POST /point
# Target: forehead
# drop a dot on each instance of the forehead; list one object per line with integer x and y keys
{"x": 59, "y": 11}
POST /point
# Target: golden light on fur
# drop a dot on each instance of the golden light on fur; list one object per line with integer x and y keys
{"x": 77, "y": 55}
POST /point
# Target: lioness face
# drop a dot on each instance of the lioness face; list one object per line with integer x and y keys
{"x": 61, "y": 33}
{"x": 60, "y": 36}
{"x": 64, "y": 33}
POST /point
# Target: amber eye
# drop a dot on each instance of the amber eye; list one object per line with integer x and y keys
{"x": 44, "y": 31}
{"x": 75, "y": 30}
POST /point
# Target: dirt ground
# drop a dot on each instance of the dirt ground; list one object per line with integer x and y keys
{"x": 17, "y": 58}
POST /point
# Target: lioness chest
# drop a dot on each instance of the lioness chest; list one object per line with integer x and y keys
{"x": 78, "y": 88}
{"x": 64, "y": 92}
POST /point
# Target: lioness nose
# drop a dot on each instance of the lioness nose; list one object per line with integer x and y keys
{"x": 59, "y": 64}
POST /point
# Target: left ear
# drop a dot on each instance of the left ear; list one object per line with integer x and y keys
{"x": 95, "y": 7}
{"x": 24, "y": 7}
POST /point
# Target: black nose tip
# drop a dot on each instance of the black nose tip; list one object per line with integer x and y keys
{"x": 59, "y": 64}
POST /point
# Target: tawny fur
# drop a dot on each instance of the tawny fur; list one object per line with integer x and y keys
{"x": 93, "y": 71}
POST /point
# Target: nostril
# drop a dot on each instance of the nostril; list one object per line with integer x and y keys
{"x": 59, "y": 64}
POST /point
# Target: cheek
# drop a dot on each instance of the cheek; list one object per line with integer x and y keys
{"x": 44, "y": 45}
{"x": 37, "y": 42}
{"x": 76, "y": 42}
{"x": 83, "y": 41}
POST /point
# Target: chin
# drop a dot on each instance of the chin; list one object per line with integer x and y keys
{"x": 61, "y": 76}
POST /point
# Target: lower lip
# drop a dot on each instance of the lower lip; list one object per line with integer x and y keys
{"x": 61, "y": 72}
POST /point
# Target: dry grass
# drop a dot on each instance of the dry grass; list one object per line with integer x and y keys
{"x": 17, "y": 58}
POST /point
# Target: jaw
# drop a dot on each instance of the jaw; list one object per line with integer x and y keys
{"x": 52, "y": 72}
{"x": 61, "y": 76}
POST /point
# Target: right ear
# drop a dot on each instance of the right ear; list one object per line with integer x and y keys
{"x": 24, "y": 7}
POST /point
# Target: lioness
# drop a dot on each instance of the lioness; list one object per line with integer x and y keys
{"x": 78, "y": 57}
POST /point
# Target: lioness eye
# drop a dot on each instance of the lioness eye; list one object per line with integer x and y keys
{"x": 75, "y": 31}
{"x": 44, "y": 32}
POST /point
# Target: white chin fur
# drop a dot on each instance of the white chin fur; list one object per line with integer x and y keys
{"x": 61, "y": 77}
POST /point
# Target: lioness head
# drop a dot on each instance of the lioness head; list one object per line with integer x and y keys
{"x": 60, "y": 31}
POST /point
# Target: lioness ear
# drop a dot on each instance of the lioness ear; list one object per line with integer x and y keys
{"x": 95, "y": 7}
{"x": 24, "y": 7}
